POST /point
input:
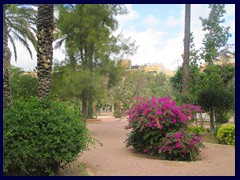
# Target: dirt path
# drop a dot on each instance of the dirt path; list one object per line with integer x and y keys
{"x": 114, "y": 159}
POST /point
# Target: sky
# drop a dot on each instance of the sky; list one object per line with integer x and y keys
{"x": 158, "y": 30}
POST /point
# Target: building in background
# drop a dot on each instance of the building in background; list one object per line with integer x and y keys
{"x": 153, "y": 69}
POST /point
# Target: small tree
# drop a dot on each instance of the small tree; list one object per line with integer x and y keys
{"x": 216, "y": 35}
{"x": 215, "y": 97}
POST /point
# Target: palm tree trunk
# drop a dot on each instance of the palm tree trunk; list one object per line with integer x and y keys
{"x": 45, "y": 27}
{"x": 6, "y": 63}
{"x": 186, "y": 70}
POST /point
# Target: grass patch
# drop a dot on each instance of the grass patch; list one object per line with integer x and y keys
{"x": 208, "y": 137}
{"x": 83, "y": 169}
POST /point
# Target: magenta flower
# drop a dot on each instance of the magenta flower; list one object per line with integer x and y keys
{"x": 178, "y": 145}
{"x": 174, "y": 121}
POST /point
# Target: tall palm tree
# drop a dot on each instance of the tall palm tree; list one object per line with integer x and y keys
{"x": 18, "y": 25}
{"x": 6, "y": 63}
{"x": 45, "y": 28}
{"x": 186, "y": 69}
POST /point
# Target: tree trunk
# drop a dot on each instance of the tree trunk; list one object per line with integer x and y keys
{"x": 7, "y": 97}
{"x": 211, "y": 120}
{"x": 84, "y": 104}
{"x": 45, "y": 27}
{"x": 186, "y": 70}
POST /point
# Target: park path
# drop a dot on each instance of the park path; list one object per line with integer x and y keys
{"x": 114, "y": 159}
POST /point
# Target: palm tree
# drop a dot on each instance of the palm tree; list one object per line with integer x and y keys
{"x": 6, "y": 63}
{"x": 186, "y": 69}
{"x": 18, "y": 25}
{"x": 45, "y": 28}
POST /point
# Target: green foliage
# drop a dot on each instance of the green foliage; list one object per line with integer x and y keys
{"x": 40, "y": 136}
{"x": 146, "y": 141}
{"x": 216, "y": 36}
{"x": 196, "y": 129}
{"x": 24, "y": 86}
{"x": 68, "y": 84}
{"x": 195, "y": 84}
{"x": 222, "y": 117}
{"x": 159, "y": 85}
{"x": 216, "y": 100}
{"x": 92, "y": 49}
{"x": 226, "y": 134}
{"x": 138, "y": 83}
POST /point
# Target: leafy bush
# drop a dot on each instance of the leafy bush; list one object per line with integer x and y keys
{"x": 222, "y": 118}
{"x": 196, "y": 129}
{"x": 24, "y": 86}
{"x": 40, "y": 136}
{"x": 226, "y": 134}
{"x": 181, "y": 146}
{"x": 151, "y": 120}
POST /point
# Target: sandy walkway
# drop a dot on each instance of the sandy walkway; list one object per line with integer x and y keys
{"x": 114, "y": 159}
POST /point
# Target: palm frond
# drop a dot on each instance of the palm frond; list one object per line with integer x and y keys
{"x": 21, "y": 20}
{"x": 59, "y": 42}
{"x": 26, "y": 33}
{"x": 14, "y": 47}
{"x": 23, "y": 41}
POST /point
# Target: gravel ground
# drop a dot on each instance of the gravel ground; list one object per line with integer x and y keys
{"x": 114, "y": 159}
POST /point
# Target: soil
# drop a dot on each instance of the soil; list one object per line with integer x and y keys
{"x": 112, "y": 158}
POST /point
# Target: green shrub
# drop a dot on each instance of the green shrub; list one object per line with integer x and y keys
{"x": 226, "y": 134}
{"x": 40, "y": 136}
{"x": 24, "y": 86}
{"x": 196, "y": 129}
{"x": 222, "y": 118}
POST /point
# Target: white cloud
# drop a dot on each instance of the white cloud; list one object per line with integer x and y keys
{"x": 171, "y": 21}
{"x": 151, "y": 20}
{"x": 154, "y": 47}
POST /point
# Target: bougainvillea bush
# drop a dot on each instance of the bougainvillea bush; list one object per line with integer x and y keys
{"x": 180, "y": 146}
{"x": 151, "y": 121}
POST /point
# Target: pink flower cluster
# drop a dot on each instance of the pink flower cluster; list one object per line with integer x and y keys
{"x": 181, "y": 144}
{"x": 159, "y": 113}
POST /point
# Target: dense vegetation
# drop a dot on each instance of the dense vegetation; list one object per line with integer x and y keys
{"x": 40, "y": 136}
{"x": 44, "y": 115}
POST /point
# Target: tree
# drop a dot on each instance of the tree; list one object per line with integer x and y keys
{"x": 216, "y": 35}
{"x": 6, "y": 63}
{"x": 195, "y": 77}
{"x": 45, "y": 28}
{"x": 186, "y": 69}
{"x": 18, "y": 24}
{"x": 87, "y": 30}
{"x": 215, "y": 97}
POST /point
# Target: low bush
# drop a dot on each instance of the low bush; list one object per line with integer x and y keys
{"x": 40, "y": 136}
{"x": 196, "y": 129}
{"x": 226, "y": 134}
{"x": 151, "y": 120}
{"x": 181, "y": 146}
